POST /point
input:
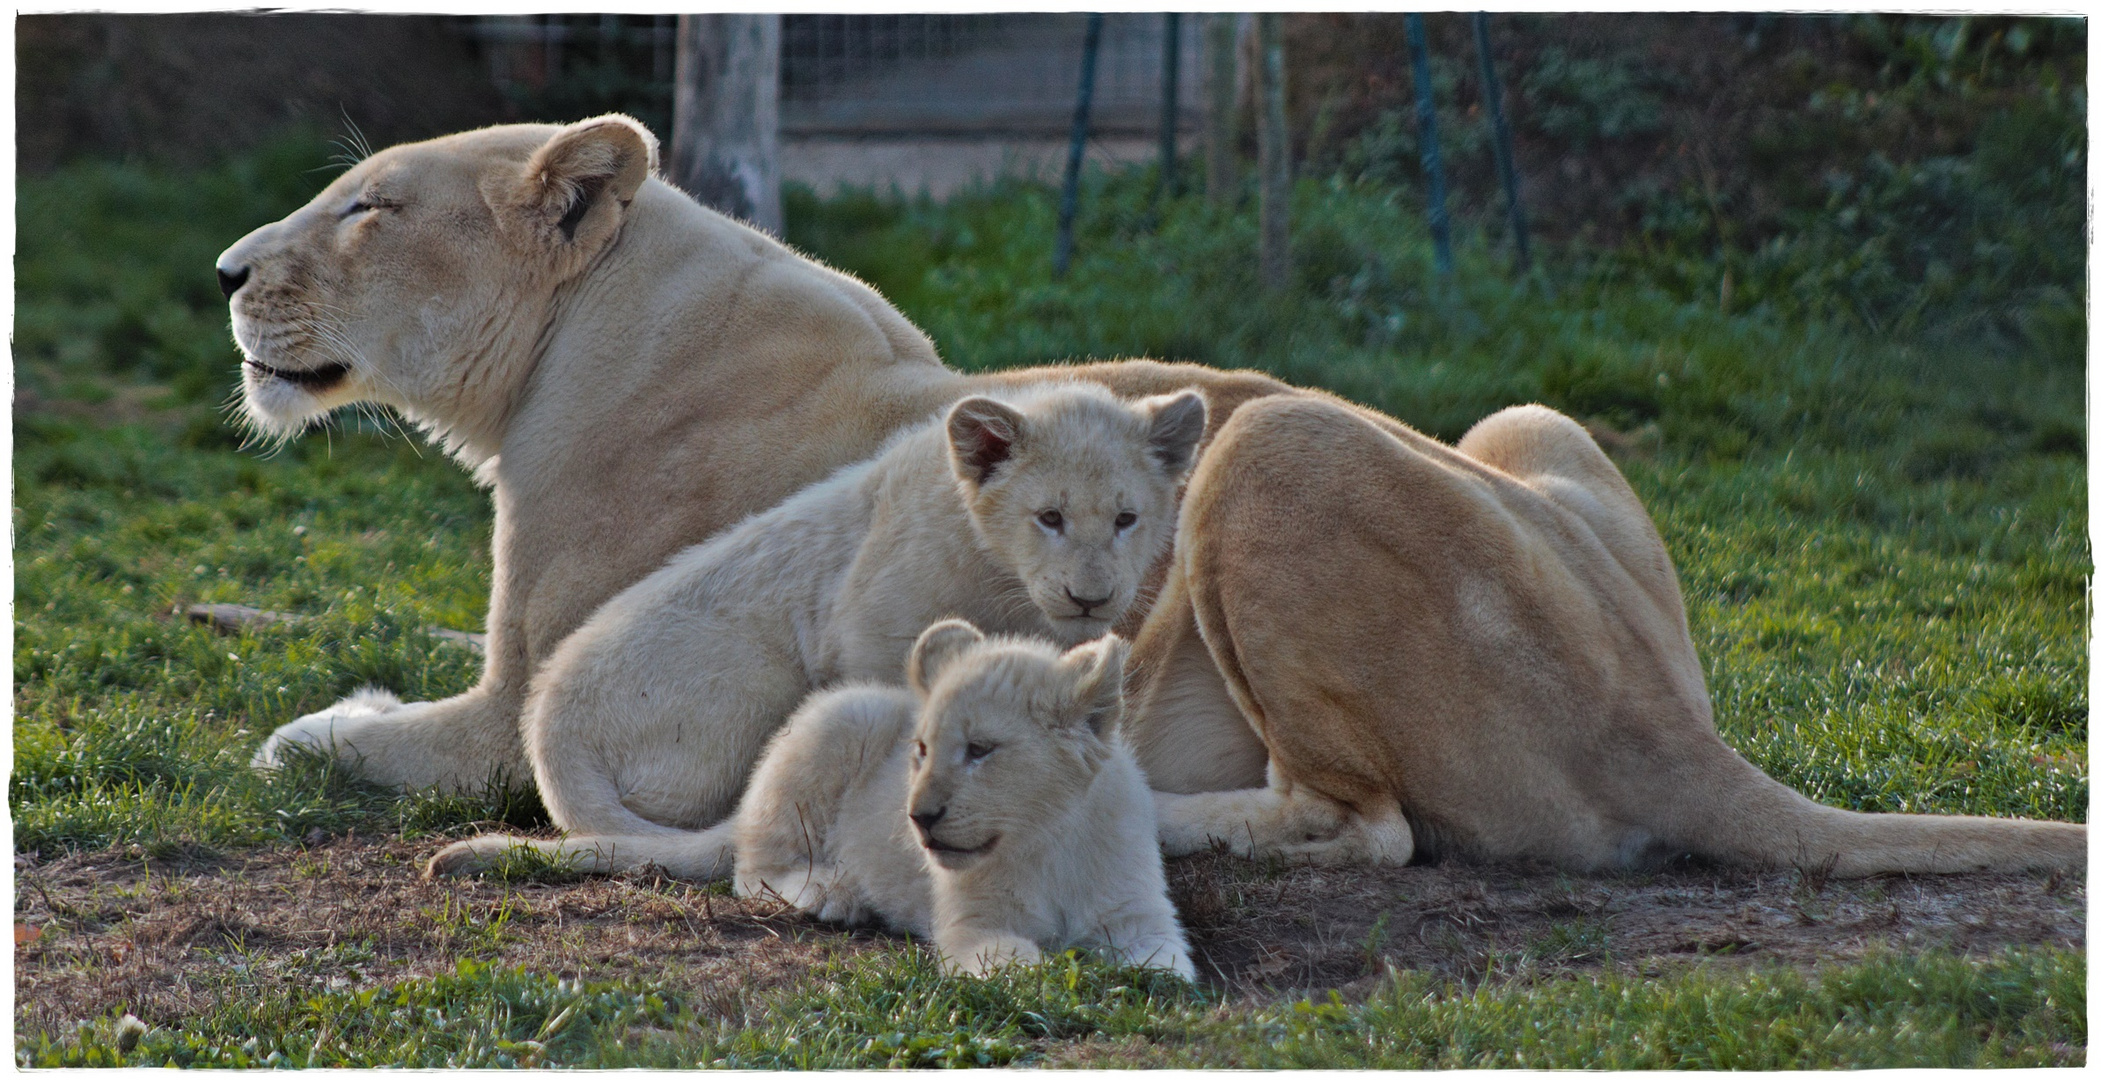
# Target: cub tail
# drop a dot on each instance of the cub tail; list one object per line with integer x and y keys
{"x": 706, "y": 855}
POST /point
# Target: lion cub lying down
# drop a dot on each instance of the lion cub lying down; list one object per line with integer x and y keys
{"x": 1038, "y": 512}
{"x": 993, "y": 807}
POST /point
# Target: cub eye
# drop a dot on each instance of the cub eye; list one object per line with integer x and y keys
{"x": 977, "y": 751}
{"x": 919, "y": 746}
{"x": 1126, "y": 519}
{"x": 1052, "y": 520}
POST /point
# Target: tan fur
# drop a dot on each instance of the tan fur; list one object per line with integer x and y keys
{"x": 1036, "y": 514}
{"x": 626, "y": 387}
{"x": 1477, "y": 650}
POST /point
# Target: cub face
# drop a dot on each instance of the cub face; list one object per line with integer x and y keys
{"x": 418, "y": 270}
{"x": 1011, "y": 732}
{"x": 1076, "y": 494}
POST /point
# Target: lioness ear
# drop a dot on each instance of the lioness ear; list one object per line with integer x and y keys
{"x": 937, "y": 645}
{"x": 575, "y": 189}
{"x": 1096, "y": 669}
{"x": 1178, "y": 425}
{"x": 981, "y": 436}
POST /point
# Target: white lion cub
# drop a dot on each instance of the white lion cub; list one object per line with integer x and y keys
{"x": 993, "y": 807}
{"x": 1038, "y": 512}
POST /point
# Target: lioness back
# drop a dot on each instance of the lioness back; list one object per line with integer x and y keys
{"x": 993, "y": 807}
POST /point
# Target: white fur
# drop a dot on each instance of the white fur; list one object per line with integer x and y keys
{"x": 1059, "y": 799}
{"x": 646, "y": 721}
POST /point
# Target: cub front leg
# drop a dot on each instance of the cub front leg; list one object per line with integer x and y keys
{"x": 1284, "y": 820}
{"x": 1160, "y": 949}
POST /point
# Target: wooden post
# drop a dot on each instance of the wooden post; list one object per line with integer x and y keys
{"x": 1221, "y": 103}
{"x": 1069, "y": 205}
{"x": 726, "y": 115}
{"x": 1274, "y": 145}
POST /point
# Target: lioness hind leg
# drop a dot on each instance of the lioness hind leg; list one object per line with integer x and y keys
{"x": 1283, "y": 821}
{"x": 1180, "y": 718}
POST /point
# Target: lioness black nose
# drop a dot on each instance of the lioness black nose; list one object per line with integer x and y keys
{"x": 927, "y": 821}
{"x": 1085, "y": 604}
{"x": 230, "y": 281}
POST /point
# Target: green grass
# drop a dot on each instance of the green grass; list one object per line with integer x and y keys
{"x": 896, "y": 1010}
{"x": 1881, "y": 539}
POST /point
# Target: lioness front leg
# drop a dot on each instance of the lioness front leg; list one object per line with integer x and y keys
{"x": 459, "y": 743}
{"x": 1283, "y": 820}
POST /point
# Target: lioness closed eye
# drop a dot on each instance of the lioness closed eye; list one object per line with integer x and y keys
{"x": 1038, "y": 512}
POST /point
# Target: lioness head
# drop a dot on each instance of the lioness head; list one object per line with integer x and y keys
{"x": 1011, "y": 733}
{"x": 421, "y": 277}
{"x": 1075, "y": 490}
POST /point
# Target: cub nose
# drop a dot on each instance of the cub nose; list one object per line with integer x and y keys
{"x": 1086, "y": 605}
{"x": 230, "y": 281}
{"x": 927, "y": 820}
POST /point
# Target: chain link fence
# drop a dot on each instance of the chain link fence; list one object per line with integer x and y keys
{"x": 874, "y": 75}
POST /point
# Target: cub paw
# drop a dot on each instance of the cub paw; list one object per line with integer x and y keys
{"x": 988, "y": 955}
{"x": 468, "y": 856}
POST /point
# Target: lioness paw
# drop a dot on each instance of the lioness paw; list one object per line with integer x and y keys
{"x": 1384, "y": 839}
{"x": 319, "y": 731}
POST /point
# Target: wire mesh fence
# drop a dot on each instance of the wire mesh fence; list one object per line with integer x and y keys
{"x": 905, "y": 75}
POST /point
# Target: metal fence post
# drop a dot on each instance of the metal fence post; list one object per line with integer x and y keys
{"x": 1506, "y": 164}
{"x": 1273, "y": 143}
{"x": 1069, "y": 206}
{"x": 1170, "y": 99}
{"x": 1433, "y": 164}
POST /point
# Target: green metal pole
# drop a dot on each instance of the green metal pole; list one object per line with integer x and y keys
{"x": 1069, "y": 206}
{"x": 1170, "y": 99}
{"x": 1506, "y": 164}
{"x": 1433, "y": 164}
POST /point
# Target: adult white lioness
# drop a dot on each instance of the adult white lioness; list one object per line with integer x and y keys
{"x": 1478, "y": 648}
{"x": 627, "y": 371}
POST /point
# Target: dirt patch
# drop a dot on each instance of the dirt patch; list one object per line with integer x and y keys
{"x": 1265, "y": 933}
{"x": 172, "y": 939}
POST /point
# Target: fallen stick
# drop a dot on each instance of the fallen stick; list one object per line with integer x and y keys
{"x": 234, "y": 618}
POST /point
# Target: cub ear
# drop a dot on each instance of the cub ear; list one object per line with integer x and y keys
{"x": 576, "y": 188}
{"x": 937, "y": 646}
{"x": 982, "y": 434}
{"x": 1096, "y": 691}
{"x": 1178, "y": 425}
